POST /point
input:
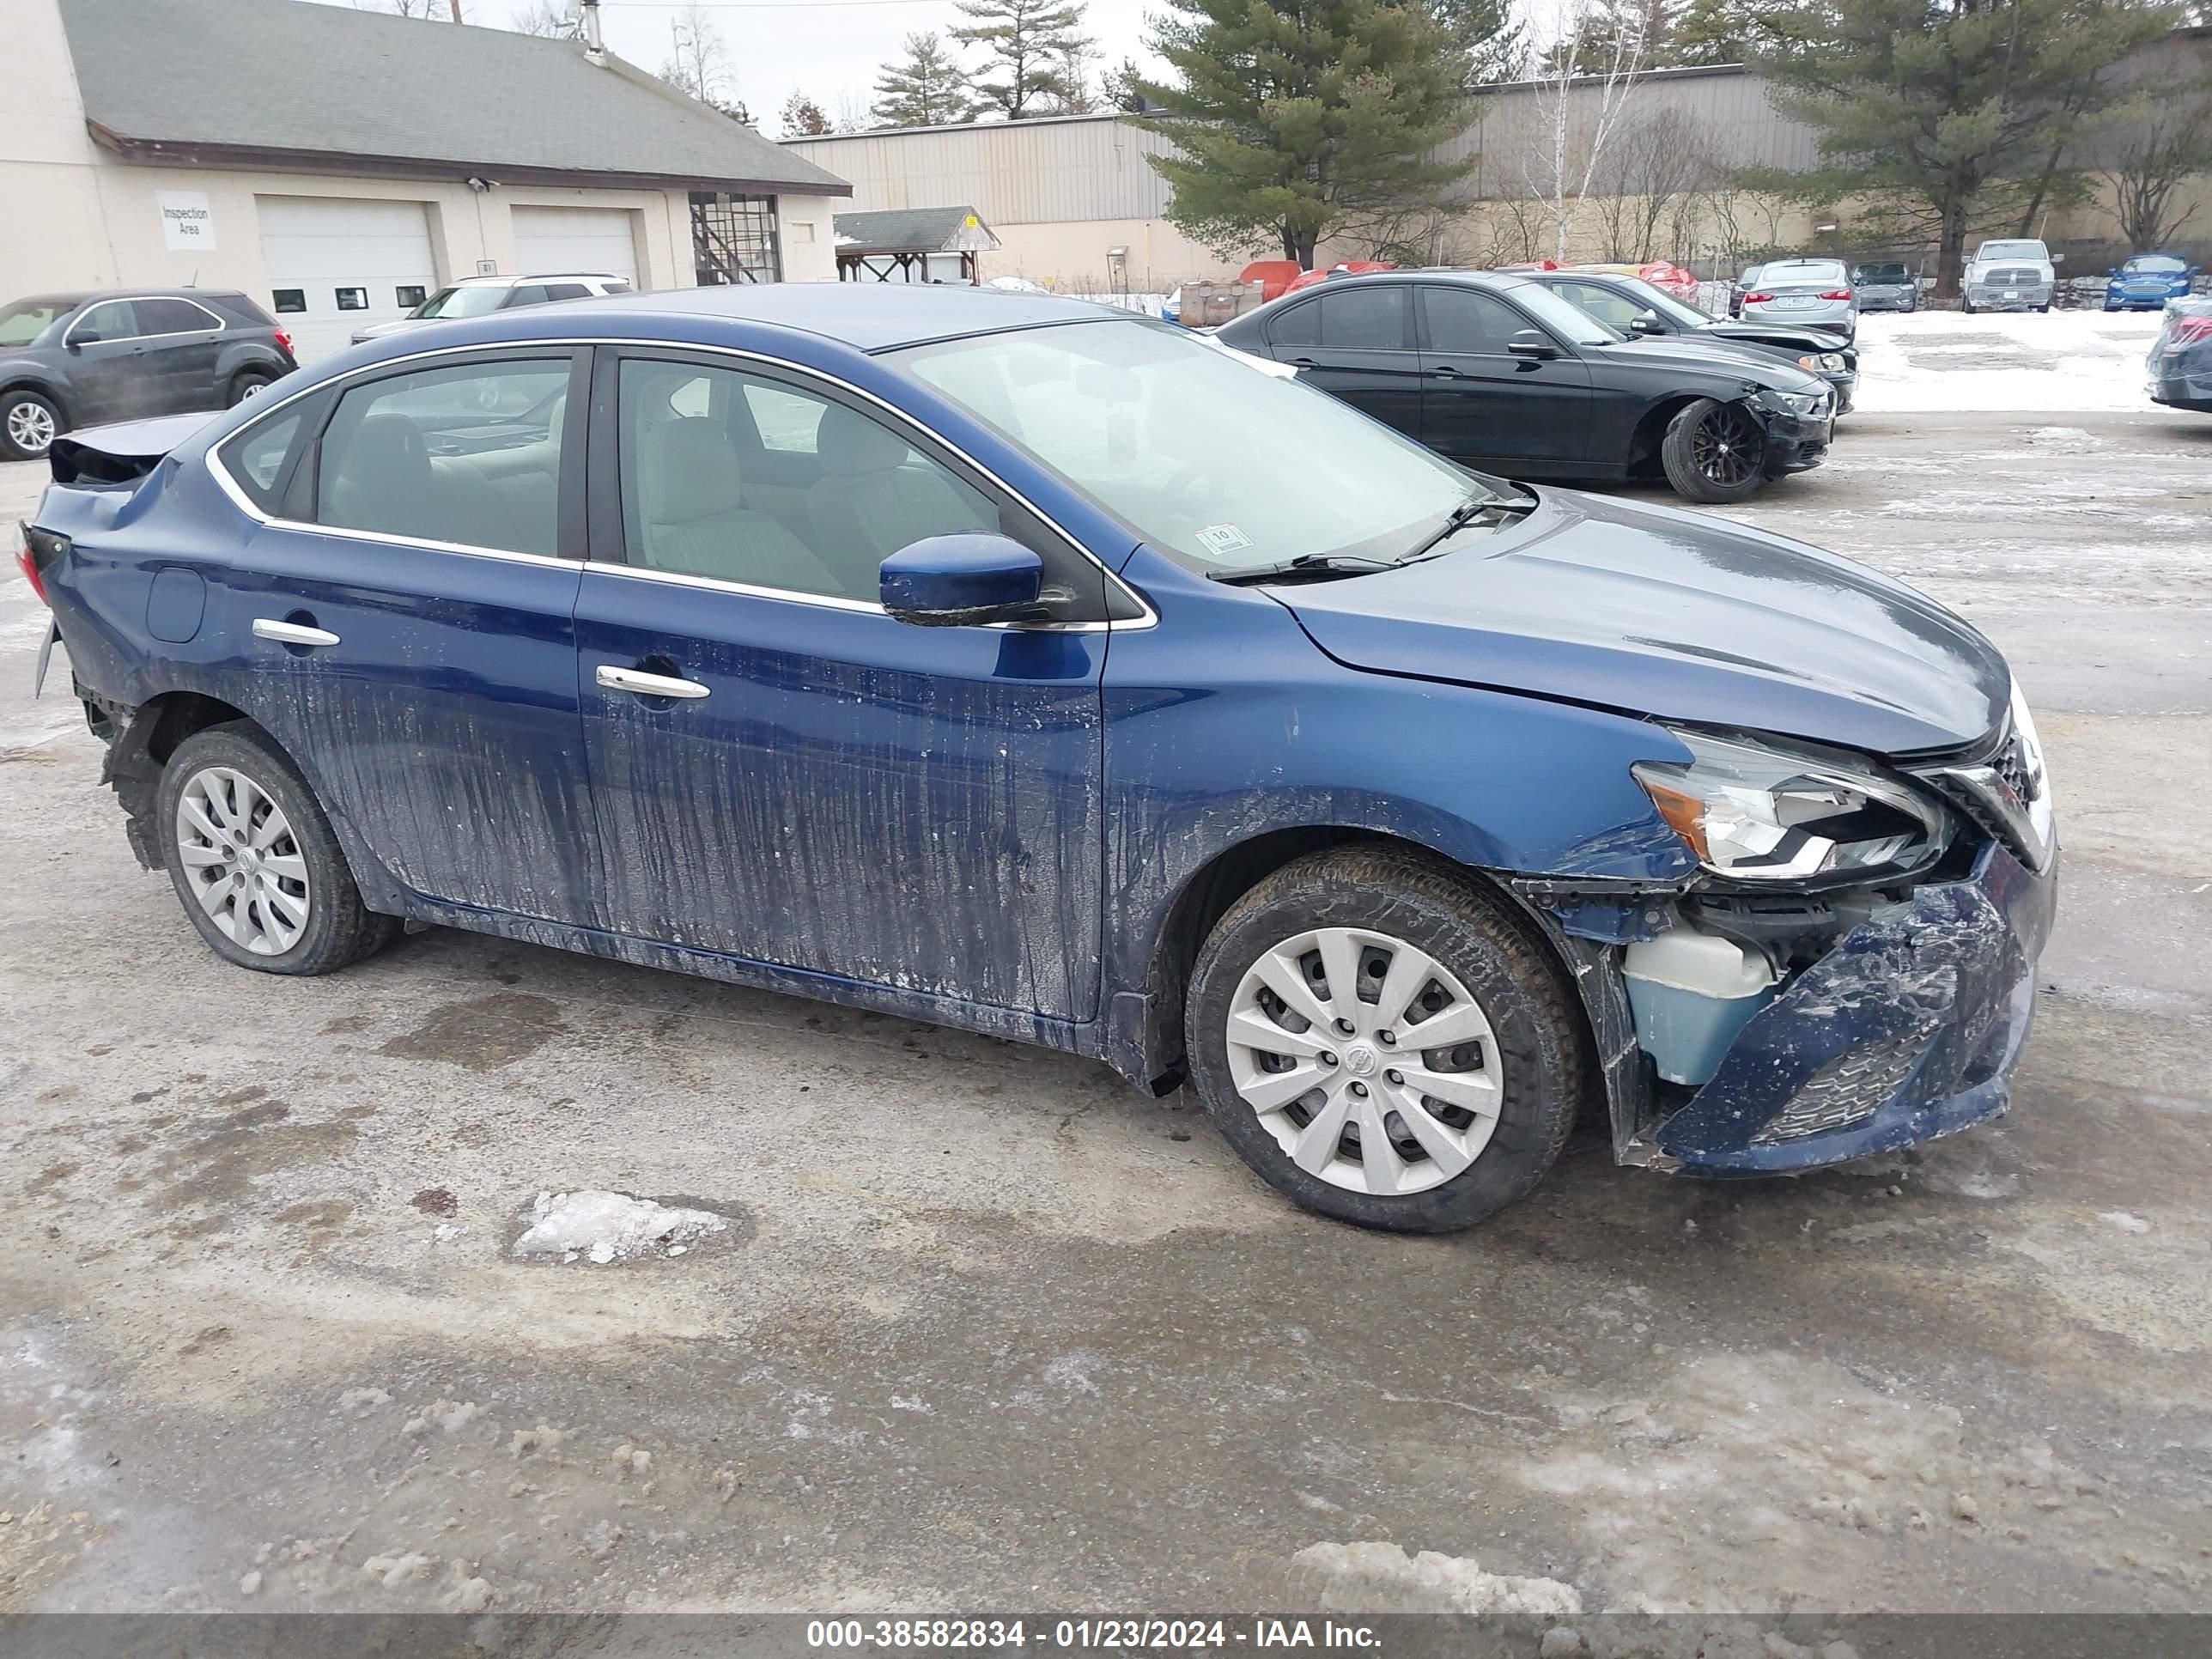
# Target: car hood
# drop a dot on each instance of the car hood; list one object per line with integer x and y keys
{"x": 1736, "y": 359}
{"x": 1656, "y": 612}
{"x": 1800, "y": 339}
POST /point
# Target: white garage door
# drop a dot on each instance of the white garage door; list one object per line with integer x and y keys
{"x": 334, "y": 265}
{"x": 550, "y": 239}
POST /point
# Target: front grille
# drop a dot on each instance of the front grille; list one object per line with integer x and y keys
{"x": 1849, "y": 1090}
{"x": 2012, "y": 279}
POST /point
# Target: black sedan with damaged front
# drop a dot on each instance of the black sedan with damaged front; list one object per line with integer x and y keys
{"x": 1499, "y": 371}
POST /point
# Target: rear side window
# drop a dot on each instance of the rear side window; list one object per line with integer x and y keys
{"x": 617, "y": 286}
{"x": 172, "y": 317}
{"x": 1364, "y": 320}
{"x": 567, "y": 291}
{"x": 255, "y": 458}
{"x": 1300, "y": 325}
{"x": 468, "y": 455}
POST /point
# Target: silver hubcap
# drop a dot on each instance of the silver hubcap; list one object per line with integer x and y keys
{"x": 238, "y": 853}
{"x": 30, "y": 427}
{"x": 1366, "y": 1060}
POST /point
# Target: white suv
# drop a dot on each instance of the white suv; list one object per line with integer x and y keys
{"x": 478, "y": 296}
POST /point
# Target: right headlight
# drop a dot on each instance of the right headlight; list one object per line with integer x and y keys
{"x": 1754, "y": 811}
{"x": 1805, "y": 404}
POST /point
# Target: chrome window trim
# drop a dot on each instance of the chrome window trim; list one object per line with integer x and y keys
{"x": 266, "y": 409}
{"x": 133, "y": 299}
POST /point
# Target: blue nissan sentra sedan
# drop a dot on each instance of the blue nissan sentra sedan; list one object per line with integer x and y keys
{"x": 1031, "y": 667}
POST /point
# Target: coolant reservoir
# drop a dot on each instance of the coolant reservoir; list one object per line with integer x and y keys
{"x": 1692, "y": 993}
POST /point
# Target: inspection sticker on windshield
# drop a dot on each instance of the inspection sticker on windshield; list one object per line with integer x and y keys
{"x": 1222, "y": 539}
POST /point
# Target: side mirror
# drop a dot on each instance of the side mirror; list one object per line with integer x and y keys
{"x": 2113, "y": 271}
{"x": 2058, "y": 258}
{"x": 83, "y": 336}
{"x": 1646, "y": 322}
{"x": 1532, "y": 345}
{"x": 965, "y": 580}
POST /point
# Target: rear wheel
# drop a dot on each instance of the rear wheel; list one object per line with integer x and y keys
{"x": 29, "y": 422}
{"x": 1384, "y": 1042}
{"x": 1714, "y": 452}
{"x": 247, "y": 383}
{"x": 254, "y": 861}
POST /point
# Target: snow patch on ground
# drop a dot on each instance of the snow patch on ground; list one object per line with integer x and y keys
{"x": 1383, "y": 1579}
{"x": 608, "y": 1227}
{"x": 2061, "y": 360}
{"x": 2123, "y": 1221}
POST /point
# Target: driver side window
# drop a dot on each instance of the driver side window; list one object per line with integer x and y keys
{"x": 112, "y": 319}
{"x": 770, "y": 485}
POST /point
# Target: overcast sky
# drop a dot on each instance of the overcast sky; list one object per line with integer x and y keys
{"x": 831, "y": 49}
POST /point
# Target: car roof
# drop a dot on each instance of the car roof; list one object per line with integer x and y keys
{"x": 81, "y": 296}
{"x": 538, "y": 277}
{"x": 870, "y": 316}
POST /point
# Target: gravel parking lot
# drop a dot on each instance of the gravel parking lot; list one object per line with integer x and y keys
{"x": 990, "y": 1331}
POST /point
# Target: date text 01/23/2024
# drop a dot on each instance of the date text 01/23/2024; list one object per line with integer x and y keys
{"x": 1122, "y": 1635}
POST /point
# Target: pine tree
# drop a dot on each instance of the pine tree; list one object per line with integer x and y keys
{"x": 1029, "y": 43}
{"x": 1294, "y": 119}
{"x": 926, "y": 88}
{"x": 1954, "y": 113}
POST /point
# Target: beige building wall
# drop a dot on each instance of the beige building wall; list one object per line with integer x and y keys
{"x": 76, "y": 216}
{"x": 1076, "y": 258}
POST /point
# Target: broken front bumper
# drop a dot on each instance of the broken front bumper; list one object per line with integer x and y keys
{"x": 1909, "y": 1029}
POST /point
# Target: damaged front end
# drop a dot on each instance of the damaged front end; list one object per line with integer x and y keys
{"x": 1850, "y": 970}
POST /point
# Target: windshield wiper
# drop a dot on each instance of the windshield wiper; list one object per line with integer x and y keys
{"x": 1319, "y": 566}
{"x": 1463, "y": 515}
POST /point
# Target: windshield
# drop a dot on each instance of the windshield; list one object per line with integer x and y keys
{"x": 1803, "y": 271}
{"x": 1566, "y": 319}
{"x": 2013, "y": 251}
{"x": 24, "y": 321}
{"x": 1199, "y": 453}
{"x": 1881, "y": 273}
{"x": 462, "y": 302}
{"x": 2154, "y": 262}
{"x": 1658, "y": 300}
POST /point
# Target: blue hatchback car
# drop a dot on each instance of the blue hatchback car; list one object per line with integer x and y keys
{"x": 2146, "y": 282}
{"x": 1028, "y": 666}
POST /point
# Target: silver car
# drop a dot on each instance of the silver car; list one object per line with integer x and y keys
{"x": 1886, "y": 286}
{"x": 477, "y": 296}
{"x": 1814, "y": 292}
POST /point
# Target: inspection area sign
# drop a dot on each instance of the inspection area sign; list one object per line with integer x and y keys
{"x": 186, "y": 224}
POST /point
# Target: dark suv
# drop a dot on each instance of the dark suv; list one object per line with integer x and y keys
{"x": 76, "y": 360}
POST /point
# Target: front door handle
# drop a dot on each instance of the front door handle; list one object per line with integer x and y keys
{"x": 1445, "y": 372}
{"x": 638, "y": 683}
{"x": 285, "y": 633}
{"x": 1302, "y": 363}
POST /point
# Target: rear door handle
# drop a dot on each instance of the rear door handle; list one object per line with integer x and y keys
{"x": 1302, "y": 362}
{"x": 1445, "y": 372}
{"x": 638, "y": 683}
{"x": 284, "y": 633}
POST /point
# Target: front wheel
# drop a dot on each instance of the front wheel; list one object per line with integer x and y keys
{"x": 1383, "y": 1041}
{"x": 254, "y": 861}
{"x": 1714, "y": 452}
{"x": 29, "y": 424}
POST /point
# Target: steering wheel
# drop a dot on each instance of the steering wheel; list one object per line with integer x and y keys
{"x": 1184, "y": 484}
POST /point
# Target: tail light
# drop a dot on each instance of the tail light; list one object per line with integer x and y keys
{"x": 284, "y": 343}
{"x": 1837, "y": 294}
{"x": 40, "y": 548}
{"x": 1757, "y": 299}
{"x": 2189, "y": 331}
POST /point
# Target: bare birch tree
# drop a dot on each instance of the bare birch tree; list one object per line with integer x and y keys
{"x": 1584, "y": 84}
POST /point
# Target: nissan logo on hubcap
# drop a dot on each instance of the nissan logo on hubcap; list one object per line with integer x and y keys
{"x": 1360, "y": 1060}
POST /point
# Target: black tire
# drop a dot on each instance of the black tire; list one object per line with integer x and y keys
{"x": 245, "y": 383}
{"x": 1704, "y": 455}
{"x": 339, "y": 930}
{"x": 1481, "y": 941}
{"x": 1965, "y": 304}
{"x": 14, "y": 407}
